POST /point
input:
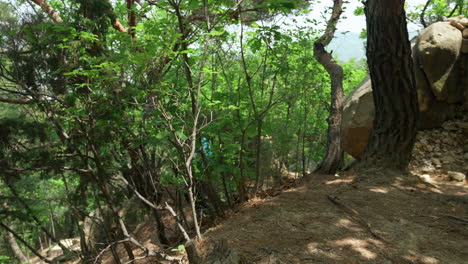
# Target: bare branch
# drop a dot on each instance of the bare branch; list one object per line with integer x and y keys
{"x": 16, "y": 100}
{"x": 179, "y": 223}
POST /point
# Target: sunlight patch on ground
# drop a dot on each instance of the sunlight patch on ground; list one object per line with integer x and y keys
{"x": 379, "y": 190}
{"x": 430, "y": 260}
{"x": 314, "y": 249}
{"x": 357, "y": 245}
{"x": 338, "y": 181}
{"x": 348, "y": 224}
{"x": 422, "y": 259}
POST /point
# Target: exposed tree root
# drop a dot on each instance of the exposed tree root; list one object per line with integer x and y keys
{"x": 353, "y": 214}
{"x": 390, "y": 253}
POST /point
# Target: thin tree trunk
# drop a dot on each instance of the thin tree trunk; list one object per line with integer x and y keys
{"x": 333, "y": 160}
{"x": 390, "y": 66}
{"x": 9, "y": 230}
{"x": 241, "y": 189}
{"x": 15, "y": 247}
{"x": 40, "y": 242}
{"x": 258, "y": 155}
{"x": 208, "y": 187}
{"x": 36, "y": 220}
{"x": 161, "y": 228}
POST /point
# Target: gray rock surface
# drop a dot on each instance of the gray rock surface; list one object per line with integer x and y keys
{"x": 456, "y": 176}
{"x": 436, "y": 53}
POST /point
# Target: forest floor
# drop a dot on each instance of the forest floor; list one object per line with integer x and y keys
{"x": 335, "y": 220}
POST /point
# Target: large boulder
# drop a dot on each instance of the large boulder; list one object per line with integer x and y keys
{"x": 440, "y": 65}
{"x": 436, "y": 53}
{"x": 358, "y": 115}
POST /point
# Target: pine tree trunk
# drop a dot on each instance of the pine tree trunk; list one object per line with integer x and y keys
{"x": 396, "y": 106}
{"x": 333, "y": 160}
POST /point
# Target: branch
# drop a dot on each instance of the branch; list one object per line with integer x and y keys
{"x": 51, "y": 12}
{"x": 3, "y": 52}
{"x": 118, "y": 26}
{"x": 179, "y": 223}
{"x": 16, "y": 100}
{"x": 24, "y": 243}
{"x": 453, "y": 11}
{"x": 114, "y": 20}
{"x": 322, "y": 56}
{"x": 327, "y": 37}
{"x": 423, "y": 12}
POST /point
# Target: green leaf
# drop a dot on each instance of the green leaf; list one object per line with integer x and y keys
{"x": 194, "y": 4}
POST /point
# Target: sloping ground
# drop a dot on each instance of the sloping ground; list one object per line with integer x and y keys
{"x": 330, "y": 220}
{"x": 385, "y": 219}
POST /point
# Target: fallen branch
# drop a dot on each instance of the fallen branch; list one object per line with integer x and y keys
{"x": 353, "y": 214}
{"x": 458, "y": 219}
{"x": 390, "y": 253}
{"x": 152, "y": 205}
{"x": 148, "y": 253}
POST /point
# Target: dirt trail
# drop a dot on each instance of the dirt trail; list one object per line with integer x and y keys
{"x": 330, "y": 220}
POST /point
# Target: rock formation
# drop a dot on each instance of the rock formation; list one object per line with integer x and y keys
{"x": 440, "y": 63}
{"x": 442, "y": 150}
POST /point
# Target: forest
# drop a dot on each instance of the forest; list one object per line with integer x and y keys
{"x": 172, "y": 115}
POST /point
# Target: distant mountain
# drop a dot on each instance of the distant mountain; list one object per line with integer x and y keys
{"x": 348, "y": 45}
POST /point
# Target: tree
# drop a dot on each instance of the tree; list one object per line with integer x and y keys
{"x": 334, "y": 158}
{"x": 162, "y": 109}
{"x": 433, "y": 11}
{"x": 390, "y": 66}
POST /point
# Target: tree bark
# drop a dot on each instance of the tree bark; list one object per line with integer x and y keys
{"x": 333, "y": 160}
{"x": 54, "y": 15}
{"x": 9, "y": 230}
{"x": 396, "y": 106}
{"x": 16, "y": 100}
{"x": 15, "y": 247}
{"x": 50, "y": 11}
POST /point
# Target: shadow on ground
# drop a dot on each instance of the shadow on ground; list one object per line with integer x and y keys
{"x": 335, "y": 220}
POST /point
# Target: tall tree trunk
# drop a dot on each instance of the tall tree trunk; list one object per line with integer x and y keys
{"x": 333, "y": 160}
{"x": 396, "y": 106}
